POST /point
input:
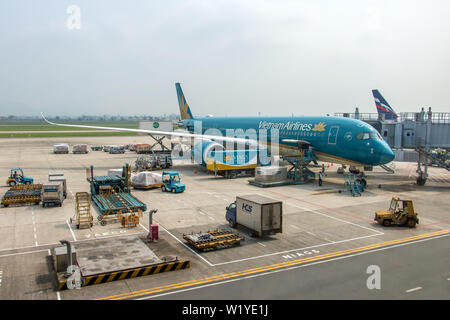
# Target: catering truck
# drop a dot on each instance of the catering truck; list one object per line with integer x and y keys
{"x": 261, "y": 215}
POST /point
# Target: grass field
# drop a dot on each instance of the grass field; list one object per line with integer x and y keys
{"x": 65, "y": 134}
{"x": 42, "y": 126}
{"x": 10, "y": 129}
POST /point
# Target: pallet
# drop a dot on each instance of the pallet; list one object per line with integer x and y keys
{"x": 220, "y": 239}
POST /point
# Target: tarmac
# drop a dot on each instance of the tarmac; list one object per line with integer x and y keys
{"x": 317, "y": 221}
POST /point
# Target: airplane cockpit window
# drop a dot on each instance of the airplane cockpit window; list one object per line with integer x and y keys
{"x": 369, "y": 135}
{"x": 363, "y": 136}
{"x": 375, "y": 136}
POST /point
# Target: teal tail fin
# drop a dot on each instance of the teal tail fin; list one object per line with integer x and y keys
{"x": 185, "y": 111}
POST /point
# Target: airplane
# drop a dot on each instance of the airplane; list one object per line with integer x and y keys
{"x": 332, "y": 139}
{"x": 383, "y": 107}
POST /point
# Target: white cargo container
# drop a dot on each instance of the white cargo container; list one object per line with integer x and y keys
{"x": 262, "y": 215}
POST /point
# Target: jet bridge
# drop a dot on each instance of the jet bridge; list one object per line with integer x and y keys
{"x": 420, "y": 131}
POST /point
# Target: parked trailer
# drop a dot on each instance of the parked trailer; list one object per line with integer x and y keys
{"x": 52, "y": 193}
{"x": 211, "y": 240}
{"x": 261, "y": 215}
{"x": 22, "y": 195}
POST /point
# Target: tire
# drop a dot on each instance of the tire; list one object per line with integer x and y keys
{"x": 231, "y": 223}
{"x": 163, "y": 188}
{"x": 12, "y": 183}
{"x": 27, "y": 182}
{"x": 78, "y": 226}
{"x": 43, "y": 205}
{"x": 99, "y": 218}
{"x": 233, "y": 175}
{"x": 173, "y": 190}
{"x": 103, "y": 223}
{"x": 386, "y": 223}
{"x": 411, "y": 223}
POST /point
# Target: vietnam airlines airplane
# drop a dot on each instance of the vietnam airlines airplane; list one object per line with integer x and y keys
{"x": 331, "y": 139}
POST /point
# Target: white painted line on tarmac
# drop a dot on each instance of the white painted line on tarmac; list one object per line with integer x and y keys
{"x": 209, "y": 263}
{"x": 71, "y": 231}
{"x": 262, "y": 244}
{"x": 34, "y": 228}
{"x": 331, "y": 217}
{"x": 286, "y": 251}
{"x": 293, "y": 267}
{"x": 414, "y": 289}
{"x": 21, "y": 253}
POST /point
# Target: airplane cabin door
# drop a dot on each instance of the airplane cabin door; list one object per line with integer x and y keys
{"x": 332, "y": 135}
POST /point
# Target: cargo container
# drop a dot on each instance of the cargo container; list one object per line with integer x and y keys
{"x": 80, "y": 148}
{"x": 261, "y": 215}
{"x": 61, "y": 148}
{"x": 52, "y": 193}
{"x": 59, "y": 176}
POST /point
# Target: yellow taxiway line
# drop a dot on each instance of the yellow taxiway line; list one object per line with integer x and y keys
{"x": 270, "y": 267}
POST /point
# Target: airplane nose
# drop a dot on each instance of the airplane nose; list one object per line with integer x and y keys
{"x": 387, "y": 155}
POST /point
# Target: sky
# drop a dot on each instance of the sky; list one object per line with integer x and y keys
{"x": 232, "y": 57}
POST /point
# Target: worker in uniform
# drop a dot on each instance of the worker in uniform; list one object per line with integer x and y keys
{"x": 320, "y": 178}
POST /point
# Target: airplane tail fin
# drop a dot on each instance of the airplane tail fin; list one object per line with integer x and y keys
{"x": 383, "y": 108}
{"x": 185, "y": 111}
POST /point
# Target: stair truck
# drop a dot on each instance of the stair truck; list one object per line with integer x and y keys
{"x": 260, "y": 215}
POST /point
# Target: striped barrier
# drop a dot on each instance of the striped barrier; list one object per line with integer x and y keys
{"x": 129, "y": 273}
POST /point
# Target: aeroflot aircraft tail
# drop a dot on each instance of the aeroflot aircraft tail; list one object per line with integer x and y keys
{"x": 383, "y": 107}
{"x": 185, "y": 111}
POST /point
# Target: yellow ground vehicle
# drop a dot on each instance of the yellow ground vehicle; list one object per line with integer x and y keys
{"x": 400, "y": 212}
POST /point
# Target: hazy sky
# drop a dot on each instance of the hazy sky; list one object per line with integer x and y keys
{"x": 232, "y": 57}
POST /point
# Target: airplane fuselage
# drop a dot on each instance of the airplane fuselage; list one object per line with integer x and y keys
{"x": 338, "y": 140}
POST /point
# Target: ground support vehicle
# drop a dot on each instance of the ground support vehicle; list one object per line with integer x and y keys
{"x": 154, "y": 161}
{"x": 401, "y": 212}
{"x": 261, "y": 215}
{"x": 52, "y": 193}
{"x": 22, "y": 195}
{"x": 16, "y": 177}
{"x": 212, "y": 240}
{"x": 171, "y": 182}
{"x": 58, "y": 176}
{"x": 111, "y": 194}
{"x": 83, "y": 217}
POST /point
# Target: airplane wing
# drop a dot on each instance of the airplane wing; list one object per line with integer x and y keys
{"x": 161, "y": 133}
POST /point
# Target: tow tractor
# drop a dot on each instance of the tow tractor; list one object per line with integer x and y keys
{"x": 171, "y": 182}
{"x": 16, "y": 177}
{"x": 400, "y": 212}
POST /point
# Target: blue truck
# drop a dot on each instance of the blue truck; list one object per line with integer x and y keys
{"x": 16, "y": 177}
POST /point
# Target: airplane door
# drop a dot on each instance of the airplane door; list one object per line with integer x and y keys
{"x": 332, "y": 135}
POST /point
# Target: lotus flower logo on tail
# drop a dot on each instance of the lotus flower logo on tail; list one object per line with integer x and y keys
{"x": 319, "y": 126}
